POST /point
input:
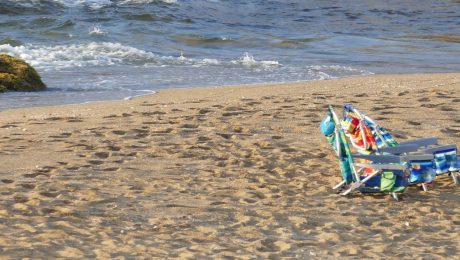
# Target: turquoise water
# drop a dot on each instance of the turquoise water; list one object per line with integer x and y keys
{"x": 89, "y": 50}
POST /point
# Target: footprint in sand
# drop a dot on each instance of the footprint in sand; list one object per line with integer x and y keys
{"x": 102, "y": 155}
{"x": 54, "y": 118}
{"x": 50, "y": 194}
{"x": 35, "y": 174}
{"x": 62, "y": 135}
{"x": 20, "y": 199}
{"x": 204, "y": 111}
{"x": 74, "y": 120}
{"x": 153, "y": 113}
{"x": 29, "y": 186}
{"x": 95, "y": 162}
{"x": 429, "y": 105}
{"x": 189, "y": 126}
{"x": 73, "y": 168}
{"x": 424, "y": 99}
{"x": 110, "y": 116}
{"x": 414, "y": 123}
{"x": 447, "y": 109}
{"x": 451, "y": 131}
{"x": 119, "y": 132}
{"x": 111, "y": 169}
{"x": 114, "y": 148}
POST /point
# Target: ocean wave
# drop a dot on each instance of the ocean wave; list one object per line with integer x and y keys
{"x": 79, "y": 55}
{"x": 96, "y": 30}
{"x": 10, "y": 41}
{"x": 198, "y": 40}
{"x": 93, "y": 4}
{"x": 249, "y": 61}
{"x": 108, "y": 53}
{"x": 14, "y": 7}
{"x": 323, "y": 72}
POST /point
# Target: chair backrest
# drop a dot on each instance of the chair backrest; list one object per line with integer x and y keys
{"x": 339, "y": 143}
{"x": 445, "y": 158}
{"x": 359, "y": 133}
{"x": 382, "y": 137}
{"x": 385, "y": 140}
{"x": 421, "y": 167}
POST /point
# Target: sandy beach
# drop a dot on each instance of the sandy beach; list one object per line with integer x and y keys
{"x": 232, "y": 172}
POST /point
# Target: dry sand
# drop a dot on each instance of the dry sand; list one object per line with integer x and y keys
{"x": 220, "y": 173}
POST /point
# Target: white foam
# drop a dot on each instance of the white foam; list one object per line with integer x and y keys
{"x": 211, "y": 61}
{"x": 147, "y": 92}
{"x": 249, "y": 61}
{"x": 79, "y": 55}
{"x": 48, "y": 58}
{"x": 182, "y": 57}
{"x": 96, "y": 30}
{"x": 98, "y": 54}
{"x": 339, "y": 69}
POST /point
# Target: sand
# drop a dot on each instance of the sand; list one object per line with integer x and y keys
{"x": 233, "y": 172}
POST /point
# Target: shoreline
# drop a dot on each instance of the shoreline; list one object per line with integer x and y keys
{"x": 156, "y": 91}
{"x": 214, "y": 172}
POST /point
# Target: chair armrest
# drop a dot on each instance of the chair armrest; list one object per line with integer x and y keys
{"x": 418, "y": 157}
{"x": 400, "y": 149}
{"x": 377, "y": 158}
{"x": 438, "y": 148}
{"x": 379, "y": 166}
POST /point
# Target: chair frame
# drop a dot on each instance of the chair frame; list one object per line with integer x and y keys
{"x": 380, "y": 163}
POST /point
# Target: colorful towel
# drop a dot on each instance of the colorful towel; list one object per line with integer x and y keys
{"x": 421, "y": 172}
{"x": 361, "y": 136}
{"x": 388, "y": 181}
{"x": 382, "y": 137}
{"x": 446, "y": 161}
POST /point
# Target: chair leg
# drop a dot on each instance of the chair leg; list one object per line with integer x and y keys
{"x": 339, "y": 185}
{"x": 425, "y": 188}
{"x": 395, "y": 196}
{"x": 358, "y": 184}
{"x": 454, "y": 177}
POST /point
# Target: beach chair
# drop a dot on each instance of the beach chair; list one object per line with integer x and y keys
{"x": 363, "y": 140}
{"x": 445, "y": 157}
{"x": 377, "y": 174}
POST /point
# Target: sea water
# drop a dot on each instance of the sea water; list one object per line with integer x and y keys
{"x": 89, "y": 50}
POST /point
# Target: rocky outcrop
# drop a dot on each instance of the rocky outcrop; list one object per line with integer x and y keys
{"x": 17, "y": 75}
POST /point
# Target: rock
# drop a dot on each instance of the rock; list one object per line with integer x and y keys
{"x": 17, "y": 75}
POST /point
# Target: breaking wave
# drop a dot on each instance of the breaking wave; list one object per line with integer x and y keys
{"x": 79, "y": 55}
{"x": 108, "y": 54}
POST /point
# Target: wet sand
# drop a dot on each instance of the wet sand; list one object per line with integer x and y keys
{"x": 233, "y": 172}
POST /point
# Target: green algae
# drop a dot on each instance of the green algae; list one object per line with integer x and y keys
{"x": 17, "y": 75}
